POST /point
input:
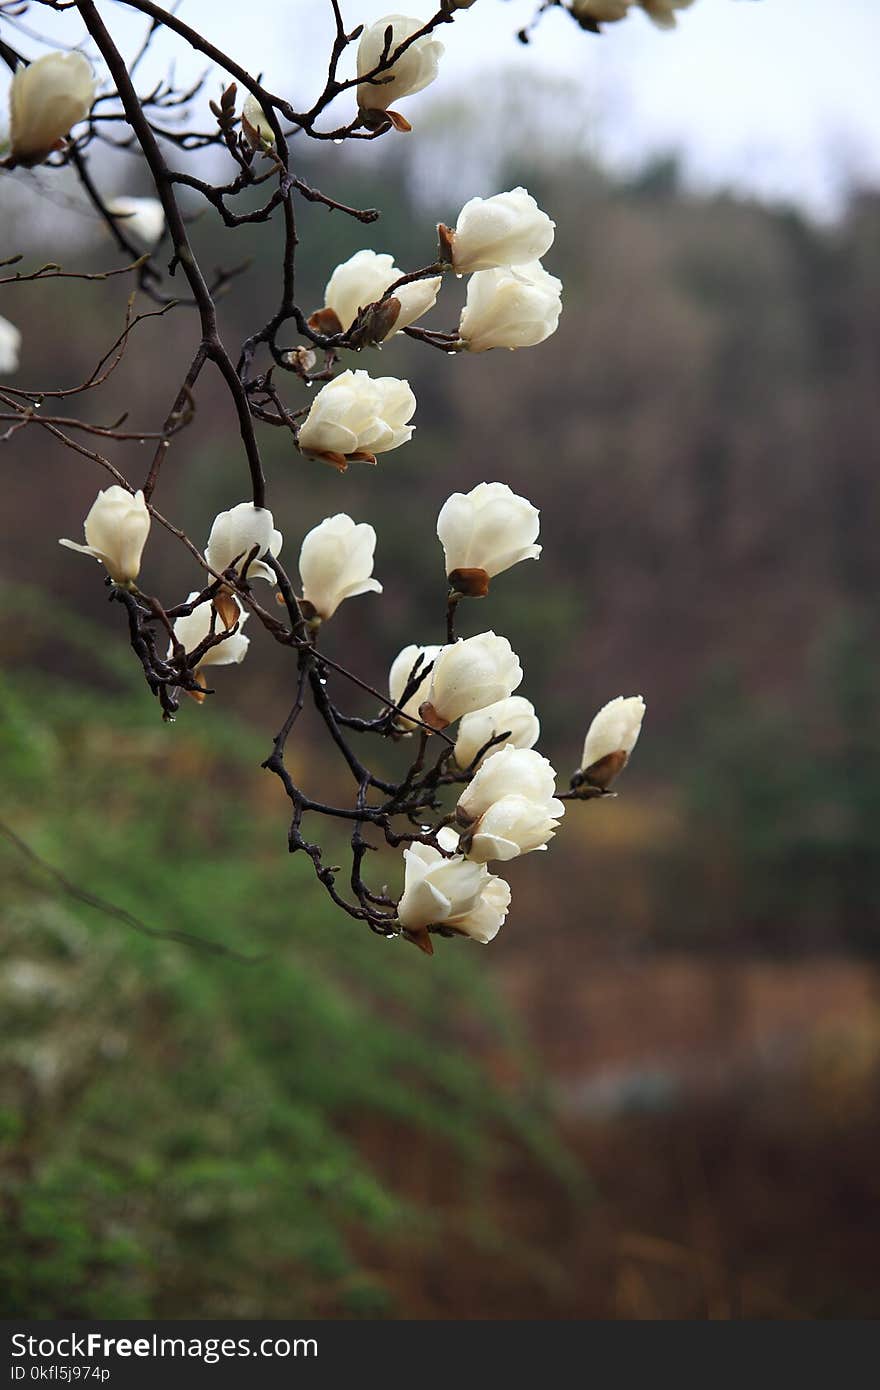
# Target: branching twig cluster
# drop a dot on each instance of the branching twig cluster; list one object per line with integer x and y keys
{"x": 293, "y": 346}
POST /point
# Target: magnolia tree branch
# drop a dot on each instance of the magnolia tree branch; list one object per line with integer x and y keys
{"x": 442, "y": 766}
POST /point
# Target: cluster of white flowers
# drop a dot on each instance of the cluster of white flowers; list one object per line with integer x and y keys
{"x": 509, "y": 806}
{"x": 662, "y": 12}
{"x": 512, "y": 302}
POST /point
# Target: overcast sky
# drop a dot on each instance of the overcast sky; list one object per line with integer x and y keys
{"x": 777, "y": 98}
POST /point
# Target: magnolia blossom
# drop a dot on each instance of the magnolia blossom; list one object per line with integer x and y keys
{"x": 662, "y": 12}
{"x": 485, "y": 919}
{"x": 506, "y": 229}
{"x": 510, "y": 807}
{"x": 511, "y": 827}
{"x": 357, "y": 416}
{"x": 236, "y": 533}
{"x": 611, "y": 738}
{"x": 415, "y": 69}
{"x": 411, "y": 662}
{"x": 364, "y": 278}
{"x": 514, "y": 717}
{"x": 456, "y": 893}
{"x": 468, "y": 675}
{"x": 514, "y": 307}
{"x": 204, "y": 621}
{"x": 142, "y": 218}
{"x": 46, "y": 98}
{"x": 336, "y": 562}
{"x": 10, "y": 346}
{"x": 513, "y": 771}
{"x": 116, "y": 530}
{"x": 605, "y": 11}
{"x": 485, "y": 531}
{"x": 255, "y": 123}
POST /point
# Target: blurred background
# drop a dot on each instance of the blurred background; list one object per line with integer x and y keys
{"x": 656, "y": 1094}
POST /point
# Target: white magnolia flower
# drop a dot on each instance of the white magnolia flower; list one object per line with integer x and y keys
{"x": 456, "y": 892}
{"x": 513, "y": 771}
{"x": 402, "y": 671}
{"x": 510, "y": 806}
{"x": 662, "y": 12}
{"x": 511, "y": 827}
{"x": 336, "y": 562}
{"x": 512, "y": 307}
{"x": 358, "y": 416}
{"x": 468, "y": 675}
{"x": 485, "y": 531}
{"x": 485, "y": 919}
{"x": 515, "y": 716}
{"x": 436, "y": 888}
{"x": 364, "y": 278}
{"x": 10, "y": 346}
{"x": 234, "y": 535}
{"x": 255, "y": 124}
{"x": 196, "y": 626}
{"x": 506, "y": 229}
{"x": 46, "y": 98}
{"x": 141, "y": 218}
{"x": 605, "y": 11}
{"x": 611, "y": 738}
{"x": 116, "y": 530}
{"x": 415, "y": 69}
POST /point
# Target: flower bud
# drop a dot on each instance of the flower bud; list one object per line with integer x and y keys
{"x": 455, "y": 893}
{"x": 10, "y": 346}
{"x": 236, "y": 533}
{"x": 357, "y": 416}
{"x": 336, "y": 563}
{"x": 512, "y": 771}
{"x": 662, "y": 12}
{"x": 610, "y": 739}
{"x": 513, "y": 307}
{"x": 364, "y": 278}
{"x": 515, "y": 717}
{"x": 409, "y": 664}
{"x": 254, "y": 122}
{"x": 206, "y": 621}
{"x": 116, "y": 530}
{"x": 414, "y": 70}
{"x": 484, "y": 532}
{"x": 506, "y": 229}
{"x": 468, "y": 675}
{"x": 143, "y": 219}
{"x": 46, "y": 98}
